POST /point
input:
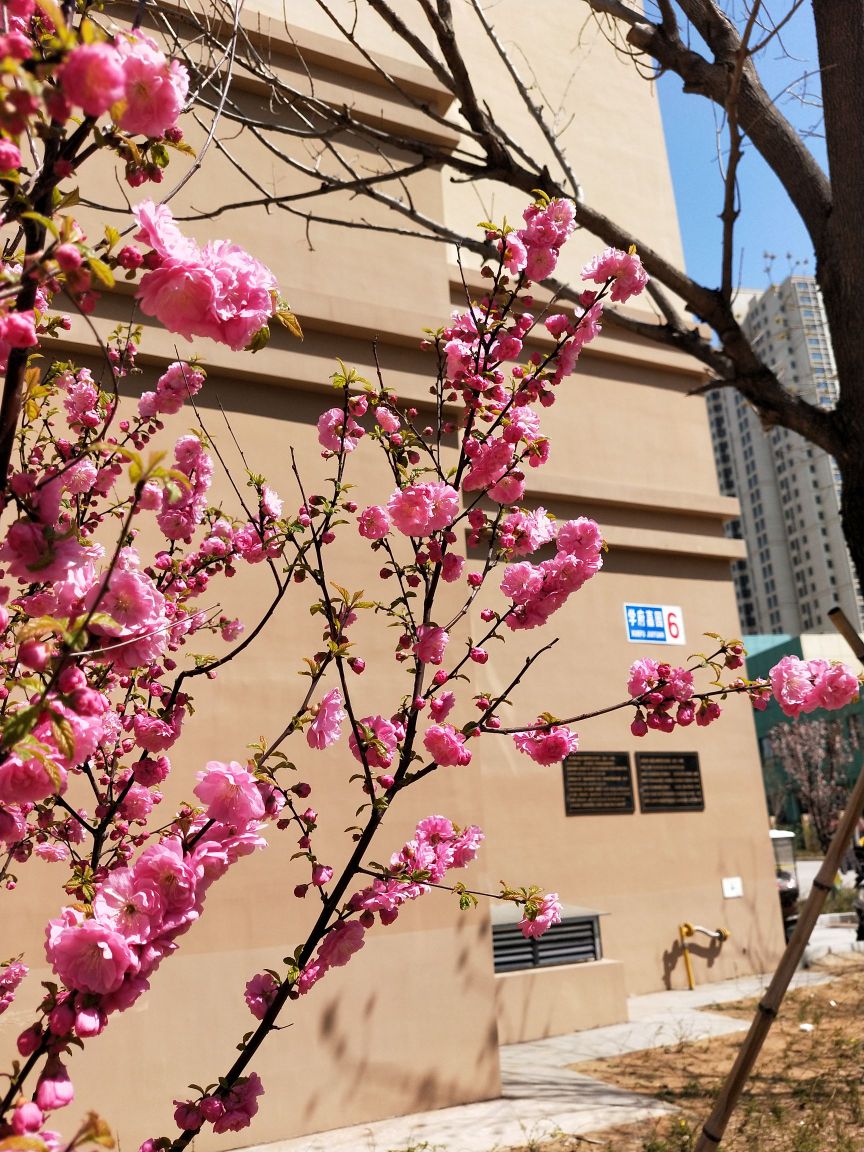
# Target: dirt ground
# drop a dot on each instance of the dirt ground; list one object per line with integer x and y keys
{"x": 806, "y": 1093}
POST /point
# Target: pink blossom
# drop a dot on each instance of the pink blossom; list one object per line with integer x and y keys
{"x": 130, "y": 615}
{"x": 549, "y": 746}
{"x": 157, "y": 734}
{"x": 418, "y": 509}
{"x": 374, "y": 523}
{"x": 441, "y": 706}
{"x": 387, "y": 421}
{"x": 540, "y": 916}
{"x": 218, "y": 291}
{"x": 451, "y": 567}
{"x": 489, "y": 462}
{"x": 35, "y": 552}
{"x": 431, "y": 643}
{"x": 340, "y": 944}
{"x": 802, "y": 686}
{"x": 259, "y": 993}
{"x": 836, "y": 686}
{"x": 29, "y": 781}
{"x": 89, "y": 956}
{"x": 336, "y": 431}
{"x": 581, "y": 538}
{"x": 515, "y": 254}
{"x": 230, "y": 793}
{"x": 154, "y": 88}
{"x": 92, "y": 78}
{"x": 380, "y": 739}
{"x": 446, "y": 746}
{"x": 321, "y": 874}
{"x": 27, "y": 1118}
{"x": 13, "y": 826}
{"x": 623, "y": 268}
{"x": 51, "y": 853}
{"x": 326, "y": 728}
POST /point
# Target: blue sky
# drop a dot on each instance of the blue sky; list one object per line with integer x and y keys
{"x": 768, "y": 223}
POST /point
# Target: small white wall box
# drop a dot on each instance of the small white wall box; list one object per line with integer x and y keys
{"x": 732, "y": 887}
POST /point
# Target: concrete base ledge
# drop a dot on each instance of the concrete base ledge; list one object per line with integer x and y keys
{"x": 540, "y": 1002}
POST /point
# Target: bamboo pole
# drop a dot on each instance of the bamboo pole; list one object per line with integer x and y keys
{"x": 769, "y": 1006}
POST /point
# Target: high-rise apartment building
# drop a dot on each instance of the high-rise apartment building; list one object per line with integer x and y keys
{"x": 797, "y": 564}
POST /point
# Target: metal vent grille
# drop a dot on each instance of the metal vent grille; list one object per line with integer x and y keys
{"x": 573, "y": 941}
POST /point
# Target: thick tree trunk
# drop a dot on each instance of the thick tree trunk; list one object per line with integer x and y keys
{"x": 840, "y": 255}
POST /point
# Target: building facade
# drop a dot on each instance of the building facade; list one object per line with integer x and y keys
{"x": 797, "y": 565}
{"x": 636, "y": 839}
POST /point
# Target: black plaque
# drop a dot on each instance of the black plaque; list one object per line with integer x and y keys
{"x": 669, "y": 782}
{"x": 598, "y": 784}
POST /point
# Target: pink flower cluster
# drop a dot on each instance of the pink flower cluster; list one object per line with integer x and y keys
{"x": 804, "y": 685}
{"x": 662, "y": 690}
{"x": 178, "y": 382}
{"x": 538, "y": 590}
{"x": 624, "y": 269}
{"x": 547, "y": 745}
{"x": 143, "y": 89}
{"x": 218, "y": 291}
{"x": 11, "y": 975}
{"x": 105, "y": 959}
{"x": 228, "y": 1111}
{"x": 534, "y": 249}
{"x": 183, "y": 506}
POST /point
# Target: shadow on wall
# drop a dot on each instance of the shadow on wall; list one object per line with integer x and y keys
{"x": 366, "y": 1067}
{"x": 672, "y": 956}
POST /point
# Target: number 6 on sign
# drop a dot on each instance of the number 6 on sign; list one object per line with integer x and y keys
{"x": 673, "y": 620}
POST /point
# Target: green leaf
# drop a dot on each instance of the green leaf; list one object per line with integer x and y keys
{"x": 46, "y": 222}
{"x": 19, "y": 725}
{"x": 64, "y": 737}
{"x": 288, "y": 320}
{"x": 100, "y": 272}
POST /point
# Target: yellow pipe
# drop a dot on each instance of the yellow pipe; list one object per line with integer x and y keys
{"x": 686, "y": 930}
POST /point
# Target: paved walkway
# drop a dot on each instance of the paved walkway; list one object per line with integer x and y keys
{"x": 542, "y": 1096}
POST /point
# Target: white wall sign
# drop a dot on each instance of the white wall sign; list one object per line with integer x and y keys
{"x": 654, "y": 623}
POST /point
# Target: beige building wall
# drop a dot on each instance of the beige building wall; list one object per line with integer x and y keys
{"x": 414, "y": 1021}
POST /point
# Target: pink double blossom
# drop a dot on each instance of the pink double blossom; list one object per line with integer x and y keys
{"x": 541, "y": 915}
{"x": 374, "y": 523}
{"x": 91, "y": 78}
{"x": 218, "y": 291}
{"x": 380, "y": 739}
{"x": 229, "y": 792}
{"x": 418, "y": 509}
{"x": 337, "y": 431}
{"x": 326, "y": 728}
{"x": 154, "y": 88}
{"x": 446, "y": 746}
{"x": 431, "y": 644}
{"x": 547, "y": 746}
